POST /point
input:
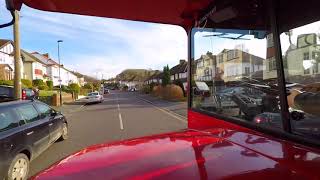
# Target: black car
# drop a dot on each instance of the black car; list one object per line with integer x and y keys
{"x": 7, "y": 93}
{"x": 27, "y": 128}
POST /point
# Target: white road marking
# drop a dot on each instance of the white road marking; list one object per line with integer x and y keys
{"x": 121, "y": 123}
{"x": 119, "y": 113}
{"x": 164, "y": 110}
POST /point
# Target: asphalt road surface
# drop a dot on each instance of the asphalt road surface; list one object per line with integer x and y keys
{"x": 122, "y": 115}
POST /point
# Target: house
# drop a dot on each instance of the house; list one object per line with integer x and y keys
{"x": 205, "y": 67}
{"x": 179, "y": 72}
{"x": 301, "y": 60}
{"x": 156, "y": 78}
{"x": 39, "y": 67}
{"x": 6, "y": 59}
{"x": 28, "y": 65}
{"x": 51, "y": 70}
{"x": 235, "y": 64}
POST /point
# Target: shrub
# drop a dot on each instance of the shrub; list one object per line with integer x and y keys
{"x": 27, "y": 83}
{"x": 75, "y": 88}
{"x": 6, "y": 82}
{"x": 50, "y": 85}
{"x": 38, "y": 83}
{"x": 180, "y": 84}
{"x": 43, "y": 87}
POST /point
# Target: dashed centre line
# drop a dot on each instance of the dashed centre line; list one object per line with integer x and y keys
{"x": 119, "y": 114}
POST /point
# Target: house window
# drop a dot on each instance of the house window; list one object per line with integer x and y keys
{"x": 272, "y": 64}
{"x": 306, "y": 56}
{"x": 247, "y": 70}
{"x": 232, "y": 54}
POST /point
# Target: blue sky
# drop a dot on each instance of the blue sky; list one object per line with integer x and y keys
{"x": 96, "y": 46}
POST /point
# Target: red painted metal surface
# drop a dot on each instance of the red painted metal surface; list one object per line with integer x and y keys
{"x": 217, "y": 153}
{"x": 177, "y": 12}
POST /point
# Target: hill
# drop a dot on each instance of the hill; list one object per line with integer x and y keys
{"x": 86, "y": 77}
{"x": 134, "y": 75}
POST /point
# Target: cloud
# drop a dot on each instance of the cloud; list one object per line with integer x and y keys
{"x": 109, "y": 46}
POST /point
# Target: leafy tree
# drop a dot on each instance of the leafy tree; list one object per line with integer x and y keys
{"x": 27, "y": 83}
{"x": 88, "y": 86}
{"x": 166, "y": 76}
{"x": 73, "y": 87}
{"x": 50, "y": 85}
{"x": 96, "y": 85}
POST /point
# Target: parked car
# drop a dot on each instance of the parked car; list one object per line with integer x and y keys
{"x": 132, "y": 89}
{"x": 7, "y": 93}
{"x": 27, "y": 128}
{"x": 94, "y": 97}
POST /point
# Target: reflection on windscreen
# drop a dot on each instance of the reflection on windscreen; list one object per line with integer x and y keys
{"x": 301, "y": 57}
{"x": 232, "y": 63}
{"x": 240, "y": 71}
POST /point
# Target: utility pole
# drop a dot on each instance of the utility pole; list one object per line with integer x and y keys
{"x": 60, "y": 88}
{"x": 17, "y": 57}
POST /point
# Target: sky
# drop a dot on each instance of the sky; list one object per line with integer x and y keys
{"x": 99, "y": 47}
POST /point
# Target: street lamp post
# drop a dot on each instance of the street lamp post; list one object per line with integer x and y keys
{"x": 59, "y": 41}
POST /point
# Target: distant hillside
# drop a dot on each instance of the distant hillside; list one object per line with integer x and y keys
{"x": 134, "y": 75}
{"x": 86, "y": 77}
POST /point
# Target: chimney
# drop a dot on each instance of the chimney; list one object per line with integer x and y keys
{"x": 46, "y": 55}
{"x": 182, "y": 61}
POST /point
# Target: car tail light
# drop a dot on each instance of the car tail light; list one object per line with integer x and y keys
{"x": 24, "y": 95}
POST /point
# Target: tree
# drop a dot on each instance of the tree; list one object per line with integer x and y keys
{"x": 88, "y": 85}
{"x": 75, "y": 88}
{"x": 166, "y": 76}
{"x": 50, "y": 85}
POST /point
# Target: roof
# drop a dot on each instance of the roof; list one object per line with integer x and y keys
{"x": 180, "y": 68}
{"x": 27, "y": 57}
{"x": 3, "y": 42}
{"x": 42, "y": 59}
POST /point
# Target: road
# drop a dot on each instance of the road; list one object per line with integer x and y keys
{"x": 122, "y": 115}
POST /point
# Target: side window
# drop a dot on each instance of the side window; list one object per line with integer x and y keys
{"x": 243, "y": 85}
{"x": 7, "y": 120}
{"x": 28, "y": 113}
{"x": 301, "y": 52}
{"x": 43, "y": 109}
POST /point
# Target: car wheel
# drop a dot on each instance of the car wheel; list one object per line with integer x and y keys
{"x": 64, "y": 135}
{"x": 19, "y": 168}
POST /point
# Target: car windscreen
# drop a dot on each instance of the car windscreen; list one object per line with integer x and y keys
{"x": 93, "y": 94}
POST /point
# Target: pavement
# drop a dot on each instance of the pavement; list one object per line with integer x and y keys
{"x": 122, "y": 115}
